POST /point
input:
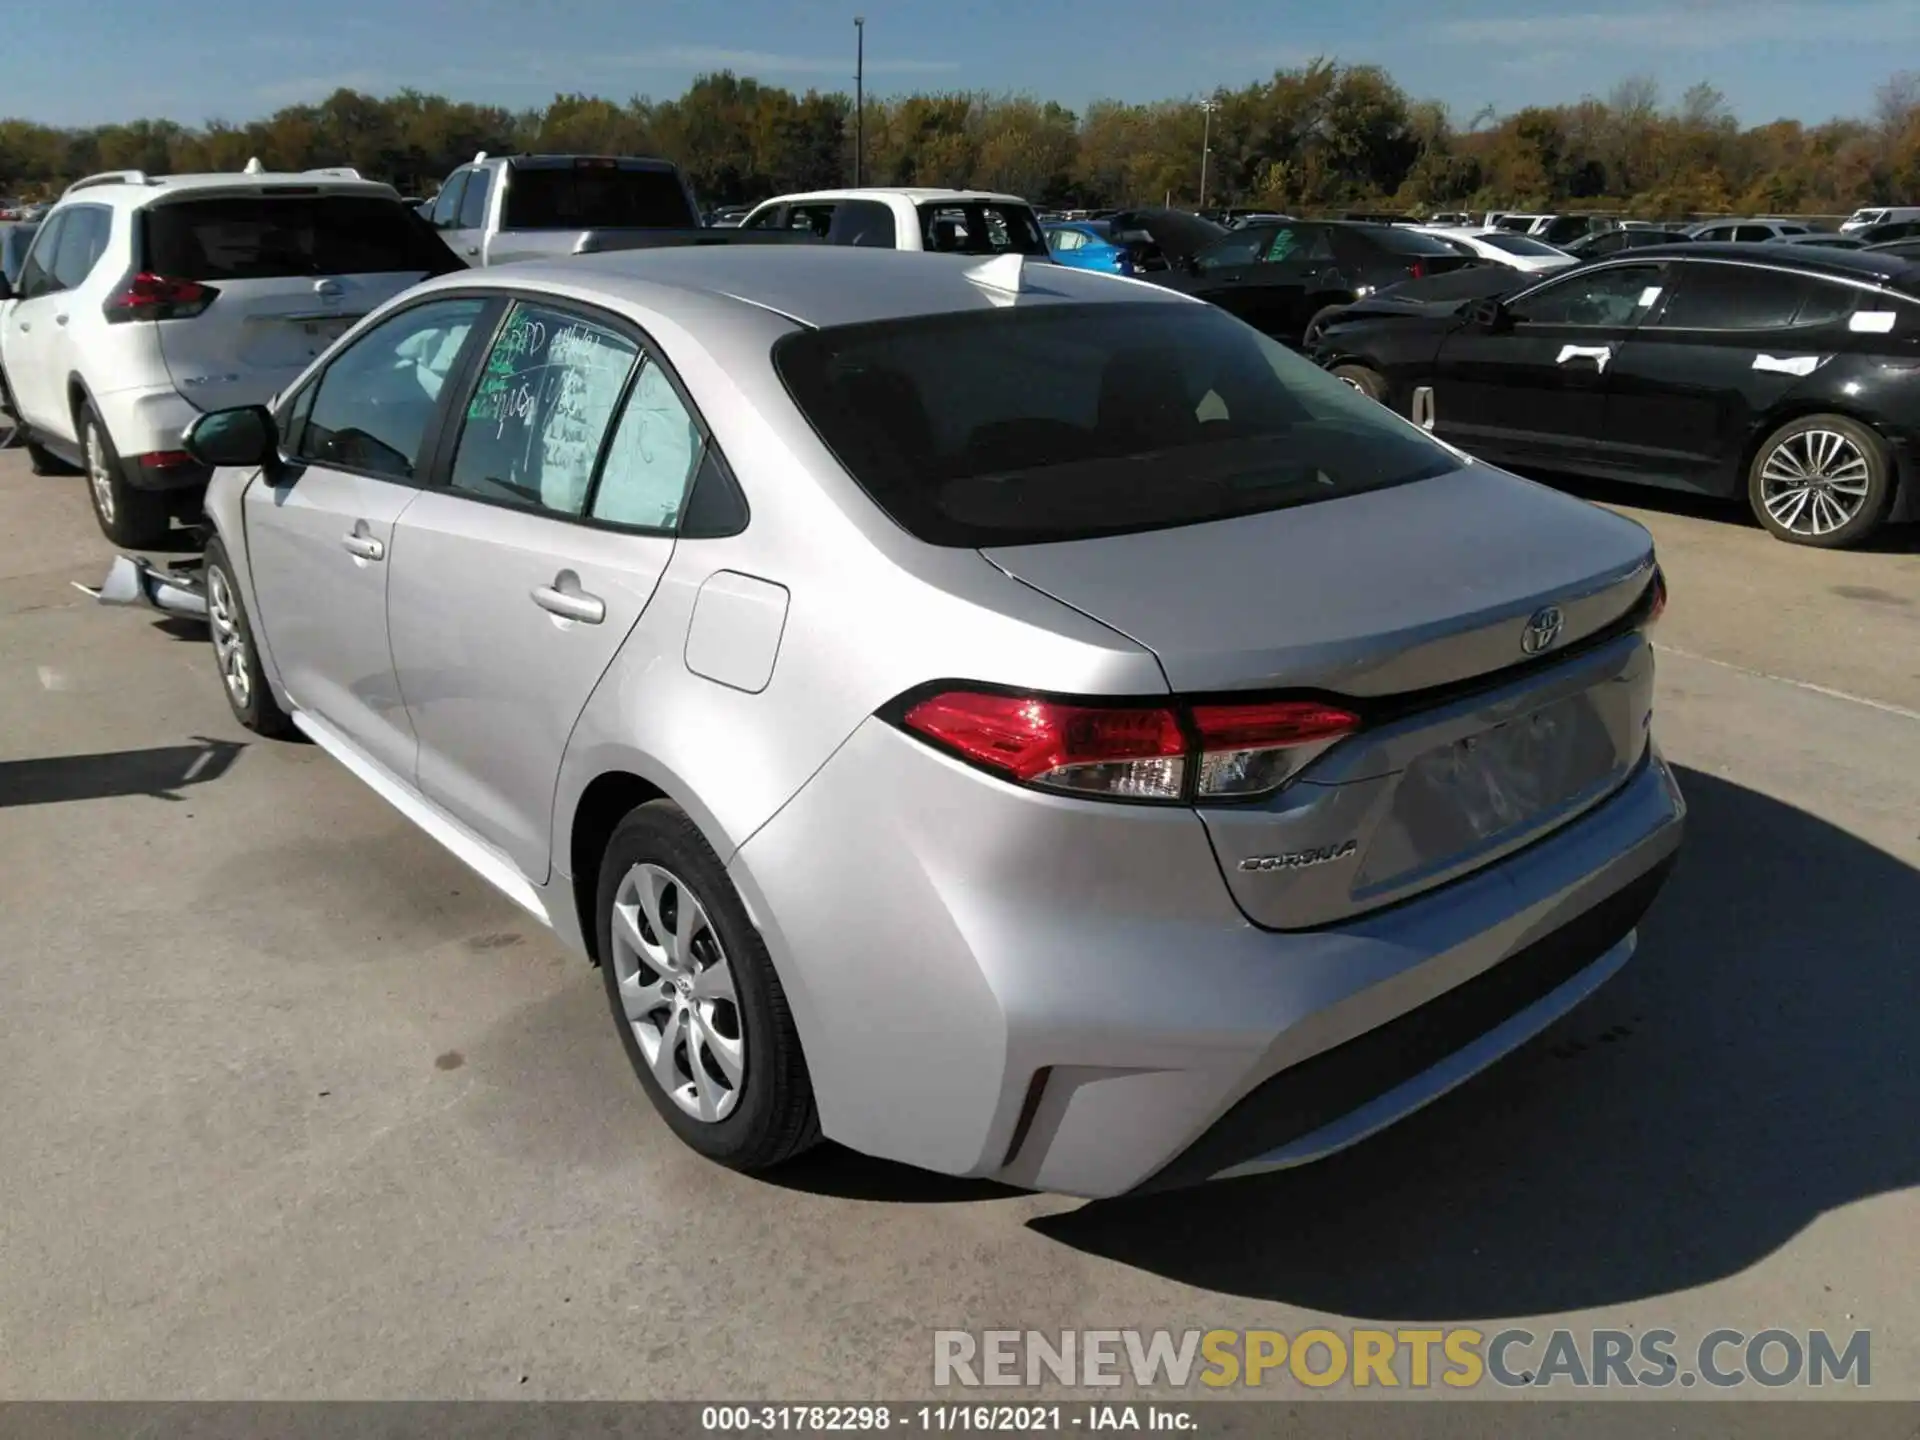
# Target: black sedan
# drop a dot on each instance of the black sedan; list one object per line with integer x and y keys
{"x": 1279, "y": 278}
{"x": 1789, "y": 374}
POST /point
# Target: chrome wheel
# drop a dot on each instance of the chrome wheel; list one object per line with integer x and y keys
{"x": 1815, "y": 482}
{"x": 99, "y": 476}
{"x": 676, "y": 989}
{"x": 229, "y": 641}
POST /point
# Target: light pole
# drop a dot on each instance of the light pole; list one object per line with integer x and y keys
{"x": 859, "y": 99}
{"x": 1207, "y": 107}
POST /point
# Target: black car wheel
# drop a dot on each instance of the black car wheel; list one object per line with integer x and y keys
{"x": 1822, "y": 480}
{"x": 136, "y": 518}
{"x": 1370, "y": 383}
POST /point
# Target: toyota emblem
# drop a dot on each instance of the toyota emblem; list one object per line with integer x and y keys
{"x": 1543, "y": 628}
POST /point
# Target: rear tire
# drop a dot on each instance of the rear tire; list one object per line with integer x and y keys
{"x": 1369, "y": 382}
{"x": 138, "y": 519}
{"x": 1821, "y": 480}
{"x": 236, "y": 654}
{"x": 699, "y": 991}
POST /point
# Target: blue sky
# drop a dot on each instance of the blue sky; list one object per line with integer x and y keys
{"x": 236, "y": 59}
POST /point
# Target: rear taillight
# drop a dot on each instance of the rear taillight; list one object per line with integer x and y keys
{"x": 145, "y": 296}
{"x": 1161, "y": 753}
{"x": 1252, "y": 749}
{"x": 165, "y": 459}
{"x": 1417, "y": 270}
{"x": 1123, "y": 753}
{"x": 1657, "y": 606}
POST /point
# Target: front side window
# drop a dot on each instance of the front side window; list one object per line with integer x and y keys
{"x": 1241, "y": 247}
{"x": 473, "y": 204}
{"x": 377, "y": 398}
{"x": 446, "y": 205}
{"x": 545, "y": 398}
{"x": 1614, "y": 297}
{"x": 36, "y": 275}
{"x": 1045, "y": 423}
{"x": 1299, "y": 242}
{"x": 766, "y": 218}
{"x": 814, "y": 219}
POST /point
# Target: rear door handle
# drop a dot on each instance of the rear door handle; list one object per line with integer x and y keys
{"x": 1598, "y": 354}
{"x": 362, "y": 546}
{"x": 566, "y": 599}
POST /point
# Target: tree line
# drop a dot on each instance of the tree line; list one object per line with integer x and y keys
{"x": 1322, "y": 137}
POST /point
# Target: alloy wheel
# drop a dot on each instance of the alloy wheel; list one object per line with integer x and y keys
{"x": 99, "y": 477}
{"x": 676, "y": 989}
{"x": 1814, "y": 482}
{"x": 229, "y": 641}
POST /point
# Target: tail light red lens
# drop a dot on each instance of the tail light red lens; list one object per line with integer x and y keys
{"x": 1171, "y": 753}
{"x": 165, "y": 460}
{"x": 1659, "y": 605}
{"x": 1124, "y": 754}
{"x": 1417, "y": 270}
{"x": 1252, "y": 749}
{"x": 146, "y": 296}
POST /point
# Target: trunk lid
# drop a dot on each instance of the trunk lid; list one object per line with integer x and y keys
{"x": 1413, "y": 604}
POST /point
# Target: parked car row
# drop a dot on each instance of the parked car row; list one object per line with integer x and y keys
{"x": 1787, "y": 374}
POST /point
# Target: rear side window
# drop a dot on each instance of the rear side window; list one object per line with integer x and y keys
{"x": 590, "y": 196}
{"x": 270, "y": 237}
{"x": 1060, "y": 422}
{"x": 1243, "y": 247}
{"x": 864, "y": 222}
{"x": 1735, "y": 297}
{"x": 981, "y": 228}
{"x": 536, "y": 420}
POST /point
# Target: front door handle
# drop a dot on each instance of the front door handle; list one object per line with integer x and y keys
{"x": 566, "y": 599}
{"x": 1598, "y": 354}
{"x": 363, "y": 546}
{"x": 473, "y": 249}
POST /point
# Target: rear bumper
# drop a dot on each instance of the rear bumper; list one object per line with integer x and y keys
{"x": 1062, "y": 995}
{"x": 145, "y": 421}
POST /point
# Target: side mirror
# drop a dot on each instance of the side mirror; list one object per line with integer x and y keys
{"x": 1490, "y": 314}
{"x": 242, "y": 438}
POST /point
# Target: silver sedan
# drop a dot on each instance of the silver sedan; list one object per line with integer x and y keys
{"x": 1011, "y": 720}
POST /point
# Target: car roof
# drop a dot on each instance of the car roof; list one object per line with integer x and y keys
{"x": 1808, "y": 259}
{"x": 918, "y": 196}
{"x": 815, "y": 285}
{"x": 133, "y": 186}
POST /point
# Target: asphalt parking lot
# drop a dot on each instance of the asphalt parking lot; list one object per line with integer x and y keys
{"x": 291, "y": 1105}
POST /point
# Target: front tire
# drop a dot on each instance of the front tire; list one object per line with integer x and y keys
{"x": 700, "y": 1011}
{"x": 1369, "y": 382}
{"x": 1821, "y": 480}
{"x": 1311, "y": 335}
{"x": 138, "y": 519}
{"x": 234, "y": 651}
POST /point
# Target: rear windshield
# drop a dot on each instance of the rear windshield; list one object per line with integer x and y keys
{"x": 981, "y": 228}
{"x": 584, "y": 197}
{"x": 1518, "y": 244}
{"x": 1402, "y": 241}
{"x": 1061, "y": 422}
{"x": 266, "y": 237}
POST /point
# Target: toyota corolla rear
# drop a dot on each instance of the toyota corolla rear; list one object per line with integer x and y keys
{"x": 1392, "y": 809}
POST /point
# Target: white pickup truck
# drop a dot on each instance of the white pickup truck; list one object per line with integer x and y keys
{"x": 500, "y": 208}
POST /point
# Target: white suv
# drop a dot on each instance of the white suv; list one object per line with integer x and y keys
{"x": 966, "y": 222}
{"x": 146, "y": 300}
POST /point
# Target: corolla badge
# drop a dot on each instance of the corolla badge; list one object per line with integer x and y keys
{"x": 1301, "y": 859}
{"x": 1543, "y": 628}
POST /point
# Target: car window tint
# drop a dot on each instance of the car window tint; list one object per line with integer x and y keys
{"x": 1063, "y": 240}
{"x": 767, "y": 219}
{"x": 446, "y": 205}
{"x": 977, "y": 227}
{"x": 815, "y": 219}
{"x": 1731, "y": 297}
{"x": 595, "y": 194}
{"x": 1299, "y": 243}
{"x": 1242, "y": 247}
{"x": 82, "y": 241}
{"x": 533, "y": 427}
{"x": 1825, "y": 302}
{"x": 654, "y": 453}
{"x": 36, "y": 275}
{"x": 863, "y": 222}
{"x": 1034, "y": 424}
{"x": 377, "y": 397}
{"x": 1753, "y": 233}
{"x": 273, "y": 237}
{"x": 473, "y": 204}
{"x": 1614, "y": 297}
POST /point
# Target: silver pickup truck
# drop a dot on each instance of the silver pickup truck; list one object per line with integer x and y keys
{"x": 502, "y": 208}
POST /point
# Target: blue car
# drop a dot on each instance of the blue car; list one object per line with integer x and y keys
{"x": 1092, "y": 245}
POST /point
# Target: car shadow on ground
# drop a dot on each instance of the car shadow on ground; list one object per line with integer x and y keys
{"x": 1732, "y": 512}
{"x": 844, "y": 1174}
{"x": 160, "y": 773}
{"x": 1749, "y": 1071}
